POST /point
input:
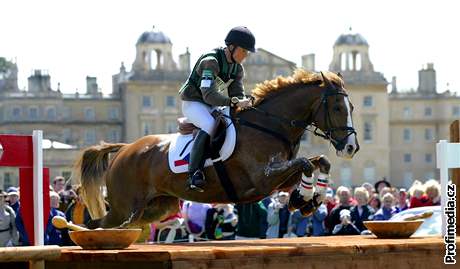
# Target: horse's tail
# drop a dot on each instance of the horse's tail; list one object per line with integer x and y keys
{"x": 89, "y": 171}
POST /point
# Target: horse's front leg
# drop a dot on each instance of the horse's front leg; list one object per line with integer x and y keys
{"x": 306, "y": 197}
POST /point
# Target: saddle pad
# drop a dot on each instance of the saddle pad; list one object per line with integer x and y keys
{"x": 181, "y": 145}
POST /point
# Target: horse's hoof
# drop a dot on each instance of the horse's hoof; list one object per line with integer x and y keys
{"x": 311, "y": 206}
{"x": 296, "y": 200}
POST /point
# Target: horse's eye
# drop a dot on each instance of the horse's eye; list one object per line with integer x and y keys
{"x": 336, "y": 109}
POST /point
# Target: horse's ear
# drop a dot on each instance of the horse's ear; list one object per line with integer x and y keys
{"x": 326, "y": 80}
{"x": 340, "y": 75}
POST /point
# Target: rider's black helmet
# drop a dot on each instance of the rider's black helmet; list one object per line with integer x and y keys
{"x": 241, "y": 36}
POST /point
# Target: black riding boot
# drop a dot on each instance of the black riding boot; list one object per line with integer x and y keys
{"x": 196, "y": 179}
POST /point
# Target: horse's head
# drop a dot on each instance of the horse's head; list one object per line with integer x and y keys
{"x": 333, "y": 115}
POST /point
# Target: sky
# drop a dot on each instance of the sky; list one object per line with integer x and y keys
{"x": 74, "y": 39}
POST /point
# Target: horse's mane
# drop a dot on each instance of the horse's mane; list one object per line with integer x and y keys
{"x": 300, "y": 76}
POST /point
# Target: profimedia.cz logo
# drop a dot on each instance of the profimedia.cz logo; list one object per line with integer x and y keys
{"x": 449, "y": 237}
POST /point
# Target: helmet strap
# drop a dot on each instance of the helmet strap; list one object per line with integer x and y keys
{"x": 231, "y": 52}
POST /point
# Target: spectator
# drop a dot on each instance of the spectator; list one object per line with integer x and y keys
{"x": 375, "y": 202}
{"x": 370, "y": 189}
{"x": 58, "y": 184}
{"x": 330, "y": 200}
{"x": 433, "y": 191}
{"x": 53, "y": 236}
{"x": 345, "y": 227}
{"x": 343, "y": 194}
{"x": 194, "y": 215}
{"x": 278, "y": 216}
{"x": 13, "y": 198}
{"x": 402, "y": 200}
{"x": 362, "y": 211}
{"x": 252, "y": 220}
{"x": 221, "y": 222}
{"x": 298, "y": 224}
{"x": 387, "y": 210}
{"x": 418, "y": 197}
{"x": 379, "y": 185}
{"x": 8, "y": 233}
{"x": 317, "y": 221}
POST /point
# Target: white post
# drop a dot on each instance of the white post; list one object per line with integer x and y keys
{"x": 39, "y": 230}
{"x": 442, "y": 157}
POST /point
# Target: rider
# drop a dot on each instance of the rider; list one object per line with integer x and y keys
{"x": 213, "y": 73}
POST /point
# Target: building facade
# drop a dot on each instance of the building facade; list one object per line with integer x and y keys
{"x": 397, "y": 131}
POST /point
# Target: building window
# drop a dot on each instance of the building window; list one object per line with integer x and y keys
{"x": 428, "y": 134}
{"x": 407, "y": 112}
{"x": 90, "y": 114}
{"x": 407, "y": 157}
{"x": 428, "y": 111}
{"x": 113, "y": 136}
{"x": 66, "y": 113}
{"x": 367, "y": 132}
{"x": 114, "y": 113}
{"x": 456, "y": 111}
{"x": 51, "y": 113}
{"x": 407, "y": 135}
{"x": 147, "y": 128}
{"x": 369, "y": 174}
{"x": 368, "y": 101}
{"x": 429, "y": 175}
{"x": 147, "y": 101}
{"x": 67, "y": 136}
{"x": 428, "y": 158}
{"x": 170, "y": 101}
{"x": 171, "y": 127}
{"x": 66, "y": 174}
{"x": 16, "y": 113}
{"x": 33, "y": 113}
{"x": 90, "y": 137}
{"x": 7, "y": 180}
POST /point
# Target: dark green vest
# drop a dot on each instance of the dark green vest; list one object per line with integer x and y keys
{"x": 226, "y": 71}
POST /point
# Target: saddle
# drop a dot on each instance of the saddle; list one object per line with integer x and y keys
{"x": 218, "y": 135}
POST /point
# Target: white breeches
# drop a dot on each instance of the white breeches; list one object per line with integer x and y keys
{"x": 199, "y": 114}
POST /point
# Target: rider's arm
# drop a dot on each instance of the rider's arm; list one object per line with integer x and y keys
{"x": 236, "y": 88}
{"x": 208, "y": 70}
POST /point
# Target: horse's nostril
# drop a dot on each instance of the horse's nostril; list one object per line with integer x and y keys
{"x": 350, "y": 149}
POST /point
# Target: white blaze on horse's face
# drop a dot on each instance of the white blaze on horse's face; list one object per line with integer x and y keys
{"x": 351, "y": 144}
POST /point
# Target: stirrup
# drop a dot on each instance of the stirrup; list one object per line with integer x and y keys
{"x": 201, "y": 181}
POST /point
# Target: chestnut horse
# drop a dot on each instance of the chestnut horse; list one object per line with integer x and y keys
{"x": 142, "y": 189}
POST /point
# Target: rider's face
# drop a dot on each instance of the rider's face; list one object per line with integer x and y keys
{"x": 239, "y": 54}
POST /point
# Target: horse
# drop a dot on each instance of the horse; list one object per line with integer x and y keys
{"x": 141, "y": 188}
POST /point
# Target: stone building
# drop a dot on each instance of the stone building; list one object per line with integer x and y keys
{"x": 397, "y": 131}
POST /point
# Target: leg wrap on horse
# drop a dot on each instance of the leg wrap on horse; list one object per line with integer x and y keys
{"x": 306, "y": 188}
{"x": 321, "y": 185}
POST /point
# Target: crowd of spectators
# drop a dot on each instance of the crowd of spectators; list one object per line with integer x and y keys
{"x": 342, "y": 213}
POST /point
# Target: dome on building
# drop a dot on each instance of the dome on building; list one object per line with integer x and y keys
{"x": 153, "y": 37}
{"x": 351, "y": 39}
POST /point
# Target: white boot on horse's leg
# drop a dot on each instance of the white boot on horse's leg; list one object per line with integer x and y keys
{"x": 196, "y": 179}
{"x": 322, "y": 183}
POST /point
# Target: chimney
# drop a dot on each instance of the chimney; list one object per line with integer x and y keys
{"x": 184, "y": 61}
{"x": 394, "y": 89}
{"x": 91, "y": 85}
{"x": 39, "y": 81}
{"x": 427, "y": 79}
{"x": 308, "y": 62}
